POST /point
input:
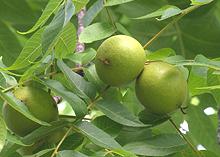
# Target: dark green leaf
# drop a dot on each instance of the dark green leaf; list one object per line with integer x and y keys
{"x": 92, "y": 12}
{"x": 9, "y": 44}
{"x": 77, "y": 104}
{"x": 118, "y": 113}
{"x": 79, "y": 84}
{"x": 97, "y": 136}
{"x": 48, "y": 11}
{"x": 159, "y": 145}
{"x": 20, "y": 107}
{"x": 200, "y": 123}
{"x": 107, "y": 125}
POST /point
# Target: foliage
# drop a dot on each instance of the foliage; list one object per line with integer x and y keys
{"x": 38, "y": 39}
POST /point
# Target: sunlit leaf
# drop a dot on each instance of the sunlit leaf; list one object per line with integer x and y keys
{"x": 3, "y": 133}
{"x": 96, "y": 32}
{"x": 92, "y": 12}
{"x": 48, "y": 11}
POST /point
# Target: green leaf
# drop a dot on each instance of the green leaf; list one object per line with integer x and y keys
{"x": 20, "y": 107}
{"x": 3, "y": 133}
{"x": 165, "y": 13}
{"x": 200, "y": 124}
{"x": 107, "y": 125}
{"x": 15, "y": 139}
{"x": 44, "y": 131}
{"x": 72, "y": 142}
{"x": 200, "y": 2}
{"x": 41, "y": 153}
{"x": 116, "y": 2}
{"x": 134, "y": 134}
{"x": 92, "y": 76}
{"x": 77, "y": 104}
{"x": 152, "y": 119}
{"x": 122, "y": 29}
{"x": 37, "y": 69}
{"x": 79, "y": 4}
{"x": 189, "y": 152}
{"x": 131, "y": 102}
{"x": 197, "y": 79}
{"x": 82, "y": 58}
{"x": 31, "y": 51}
{"x": 78, "y": 84}
{"x": 118, "y": 113}
{"x": 48, "y": 11}
{"x": 66, "y": 41}
{"x": 70, "y": 153}
{"x": 213, "y": 80}
{"x": 200, "y": 61}
{"x": 7, "y": 80}
{"x": 59, "y": 21}
{"x": 96, "y": 32}
{"x": 160, "y": 54}
{"x": 97, "y": 136}
{"x": 159, "y": 145}
{"x": 92, "y": 12}
{"x": 9, "y": 44}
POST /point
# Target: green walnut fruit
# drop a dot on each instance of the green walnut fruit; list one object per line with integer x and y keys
{"x": 39, "y": 102}
{"x": 161, "y": 88}
{"x": 119, "y": 60}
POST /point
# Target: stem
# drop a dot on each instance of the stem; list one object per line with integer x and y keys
{"x": 2, "y": 88}
{"x": 185, "y": 139}
{"x": 9, "y": 88}
{"x": 60, "y": 143}
{"x": 97, "y": 98}
{"x": 111, "y": 18}
{"x": 184, "y": 12}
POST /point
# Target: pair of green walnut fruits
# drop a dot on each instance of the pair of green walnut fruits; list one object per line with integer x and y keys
{"x": 160, "y": 87}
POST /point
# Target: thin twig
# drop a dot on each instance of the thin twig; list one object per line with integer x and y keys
{"x": 98, "y": 97}
{"x": 184, "y": 12}
{"x": 60, "y": 143}
{"x": 9, "y": 88}
{"x": 2, "y": 88}
{"x": 185, "y": 139}
{"x": 111, "y": 18}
